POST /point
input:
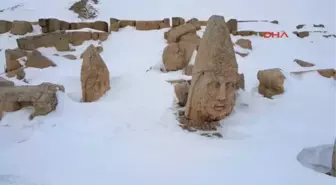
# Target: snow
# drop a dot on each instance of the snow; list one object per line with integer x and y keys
{"x": 317, "y": 158}
{"x": 130, "y": 136}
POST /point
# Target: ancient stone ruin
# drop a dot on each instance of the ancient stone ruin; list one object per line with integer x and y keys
{"x": 244, "y": 43}
{"x": 51, "y": 25}
{"x": 95, "y": 76}
{"x": 182, "y": 42}
{"x": 42, "y": 97}
{"x": 271, "y": 82}
{"x": 116, "y": 24}
{"x": 215, "y": 78}
{"x": 15, "y": 27}
{"x": 181, "y": 91}
{"x": 21, "y": 28}
{"x": 29, "y": 58}
{"x": 304, "y": 63}
{"x": 59, "y": 39}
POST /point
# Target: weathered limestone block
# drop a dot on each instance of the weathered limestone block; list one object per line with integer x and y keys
{"x": 70, "y": 57}
{"x": 42, "y": 97}
{"x": 177, "y": 21}
{"x": 95, "y": 76}
{"x": 114, "y": 24}
{"x": 42, "y": 40}
{"x": 271, "y": 82}
{"x": 245, "y": 33}
{"x": 214, "y": 82}
{"x": 301, "y": 34}
{"x": 5, "y": 26}
{"x": 5, "y": 83}
{"x": 176, "y": 56}
{"x": 188, "y": 70}
{"x": 62, "y": 45}
{"x": 64, "y": 25}
{"x": 176, "y": 33}
{"x": 8, "y": 107}
{"x": 100, "y": 25}
{"x": 52, "y": 25}
{"x": 241, "y": 81}
{"x": 327, "y": 73}
{"x": 303, "y": 63}
{"x": 77, "y": 38}
{"x": 244, "y": 43}
{"x": 12, "y": 56}
{"x": 21, "y": 28}
{"x": 19, "y": 73}
{"x": 165, "y": 23}
{"x": 95, "y": 36}
{"x": 102, "y": 36}
{"x": 44, "y": 25}
{"x": 124, "y": 23}
{"x": 58, "y": 39}
{"x": 147, "y": 25}
{"x": 181, "y": 92}
{"x": 195, "y": 22}
{"x": 37, "y": 60}
{"x": 233, "y": 25}
{"x": 203, "y": 23}
{"x": 192, "y": 38}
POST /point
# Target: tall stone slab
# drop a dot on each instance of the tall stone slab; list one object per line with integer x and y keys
{"x": 95, "y": 76}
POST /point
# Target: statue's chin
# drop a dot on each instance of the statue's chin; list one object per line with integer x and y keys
{"x": 216, "y": 110}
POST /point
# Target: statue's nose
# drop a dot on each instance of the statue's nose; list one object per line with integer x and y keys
{"x": 221, "y": 96}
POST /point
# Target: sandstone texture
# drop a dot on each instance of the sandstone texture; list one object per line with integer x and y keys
{"x": 5, "y": 83}
{"x": 244, "y": 43}
{"x": 114, "y": 24}
{"x": 21, "y": 28}
{"x": 181, "y": 92}
{"x": 176, "y": 56}
{"x": 215, "y": 76}
{"x": 95, "y": 76}
{"x": 5, "y": 26}
{"x": 12, "y": 56}
{"x": 271, "y": 82}
{"x": 37, "y": 60}
{"x": 175, "y": 34}
{"x": 188, "y": 70}
{"x": 42, "y": 97}
{"x": 59, "y": 39}
{"x": 152, "y": 25}
{"x": 304, "y": 63}
{"x": 177, "y": 21}
{"x": 232, "y": 25}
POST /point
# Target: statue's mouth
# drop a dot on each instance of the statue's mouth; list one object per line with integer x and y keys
{"x": 219, "y": 107}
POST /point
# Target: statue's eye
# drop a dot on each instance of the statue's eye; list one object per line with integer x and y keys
{"x": 213, "y": 85}
{"x": 230, "y": 84}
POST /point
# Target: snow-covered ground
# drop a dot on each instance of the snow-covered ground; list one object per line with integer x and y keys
{"x": 131, "y": 136}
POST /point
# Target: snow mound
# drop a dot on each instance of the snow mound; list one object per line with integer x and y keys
{"x": 317, "y": 158}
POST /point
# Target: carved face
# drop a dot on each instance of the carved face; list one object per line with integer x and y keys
{"x": 217, "y": 98}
